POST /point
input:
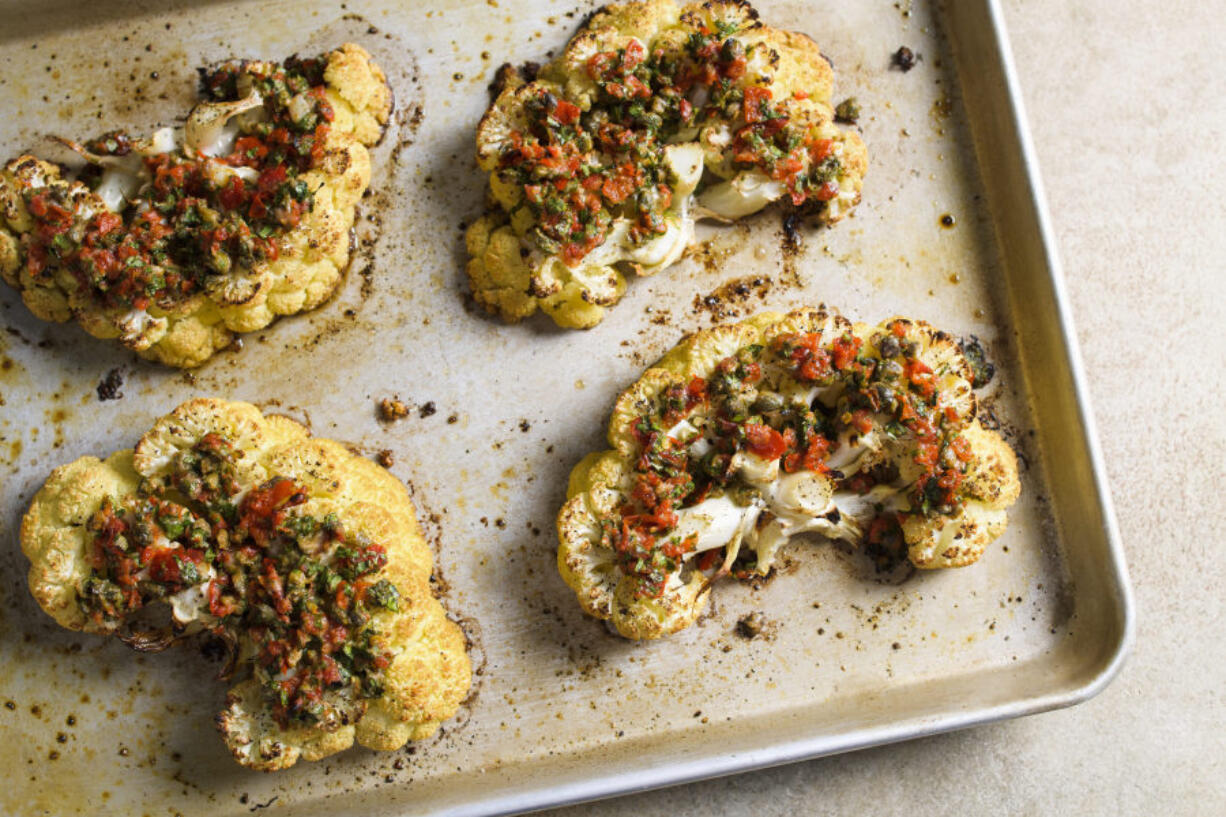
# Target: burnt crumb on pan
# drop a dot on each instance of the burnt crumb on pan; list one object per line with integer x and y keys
{"x": 942, "y": 108}
{"x": 847, "y": 111}
{"x": 525, "y": 426}
{"x": 367, "y": 274}
{"x": 385, "y": 457}
{"x": 410, "y": 120}
{"x": 111, "y": 385}
{"x": 427, "y": 410}
{"x": 792, "y": 239}
{"x": 750, "y": 626}
{"x": 392, "y": 409}
{"x": 731, "y": 299}
{"x": 904, "y": 59}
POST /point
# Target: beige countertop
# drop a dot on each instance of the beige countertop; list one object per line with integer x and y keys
{"x": 1125, "y": 106}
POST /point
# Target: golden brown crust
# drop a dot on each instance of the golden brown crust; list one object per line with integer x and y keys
{"x": 312, "y": 256}
{"x": 430, "y": 673}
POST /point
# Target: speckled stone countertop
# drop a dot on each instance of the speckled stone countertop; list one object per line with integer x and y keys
{"x": 1125, "y": 106}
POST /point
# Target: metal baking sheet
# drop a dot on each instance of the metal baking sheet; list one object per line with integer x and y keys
{"x": 562, "y": 711}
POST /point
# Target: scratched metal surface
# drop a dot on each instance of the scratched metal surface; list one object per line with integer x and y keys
{"x": 560, "y": 709}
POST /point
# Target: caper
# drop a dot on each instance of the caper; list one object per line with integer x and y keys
{"x": 711, "y": 464}
{"x": 888, "y": 347}
{"x": 220, "y": 262}
{"x": 264, "y": 614}
{"x": 891, "y": 370}
{"x": 743, "y": 494}
{"x": 731, "y": 50}
{"x": 766, "y": 402}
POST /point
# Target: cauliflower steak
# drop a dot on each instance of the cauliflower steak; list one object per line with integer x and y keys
{"x": 175, "y": 242}
{"x": 306, "y": 560}
{"x": 654, "y": 115}
{"x": 746, "y": 435}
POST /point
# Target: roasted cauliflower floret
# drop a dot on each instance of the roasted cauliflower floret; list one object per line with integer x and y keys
{"x": 305, "y": 559}
{"x": 172, "y": 244}
{"x": 747, "y": 435}
{"x": 653, "y": 116}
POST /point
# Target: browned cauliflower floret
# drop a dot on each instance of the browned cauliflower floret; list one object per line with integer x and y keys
{"x": 305, "y": 559}
{"x": 174, "y": 243}
{"x": 654, "y": 115}
{"x": 747, "y": 435}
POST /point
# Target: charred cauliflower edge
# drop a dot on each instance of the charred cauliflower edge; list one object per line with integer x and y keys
{"x": 515, "y": 268}
{"x": 312, "y": 255}
{"x": 779, "y": 497}
{"x": 430, "y": 672}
